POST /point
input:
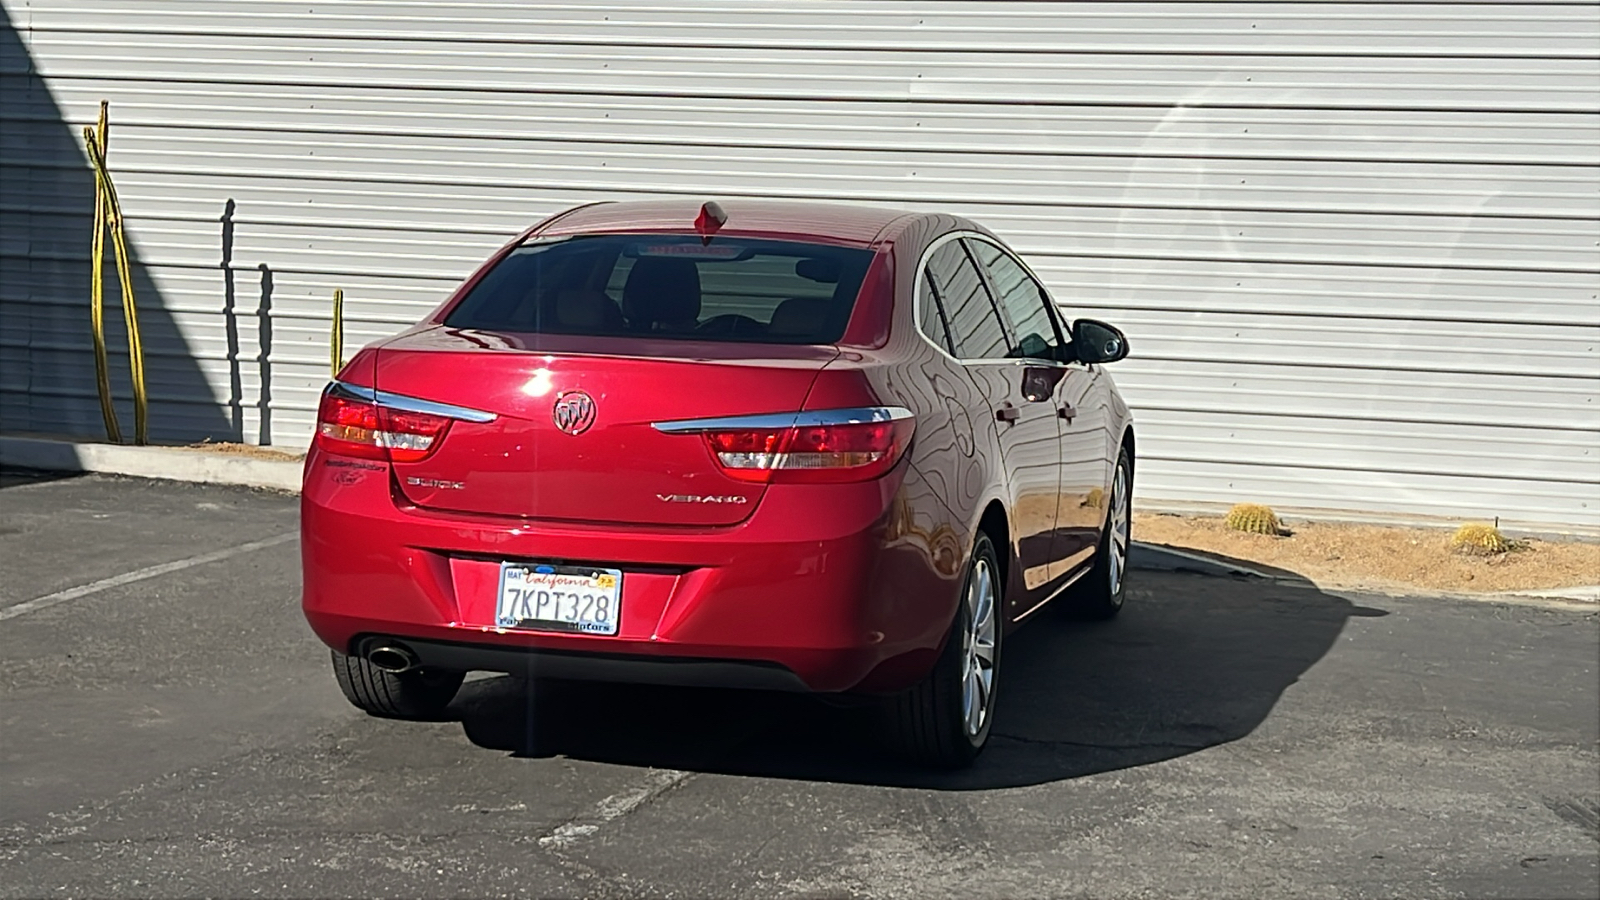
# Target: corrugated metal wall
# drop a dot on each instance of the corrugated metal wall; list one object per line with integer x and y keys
{"x": 1354, "y": 244}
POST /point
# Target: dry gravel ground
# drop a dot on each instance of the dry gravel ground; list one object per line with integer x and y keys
{"x": 1373, "y": 557}
{"x": 229, "y": 448}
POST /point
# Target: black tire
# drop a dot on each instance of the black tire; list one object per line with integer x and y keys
{"x": 421, "y": 694}
{"x": 1098, "y": 595}
{"x": 928, "y": 723}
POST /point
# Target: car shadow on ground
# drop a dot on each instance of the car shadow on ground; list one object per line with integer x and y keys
{"x": 1193, "y": 662}
{"x": 20, "y": 477}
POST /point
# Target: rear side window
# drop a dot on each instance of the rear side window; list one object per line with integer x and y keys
{"x": 975, "y": 327}
{"x": 670, "y": 286}
{"x": 1021, "y": 299}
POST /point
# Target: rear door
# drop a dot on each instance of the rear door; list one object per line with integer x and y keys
{"x": 1027, "y": 432}
{"x": 1037, "y": 339}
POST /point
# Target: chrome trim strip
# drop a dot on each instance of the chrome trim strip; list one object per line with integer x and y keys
{"x": 808, "y": 418}
{"x": 1077, "y": 575}
{"x": 411, "y": 404}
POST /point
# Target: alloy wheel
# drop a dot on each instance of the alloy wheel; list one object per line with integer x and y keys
{"x": 1119, "y": 529}
{"x": 978, "y": 649}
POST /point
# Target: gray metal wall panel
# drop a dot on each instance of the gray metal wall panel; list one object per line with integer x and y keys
{"x": 1354, "y": 244}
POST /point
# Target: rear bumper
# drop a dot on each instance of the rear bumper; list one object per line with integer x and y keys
{"x": 531, "y": 662}
{"x": 823, "y": 588}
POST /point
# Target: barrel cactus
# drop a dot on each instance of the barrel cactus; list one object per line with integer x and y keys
{"x": 1255, "y": 519}
{"x": 1479, "y": 539}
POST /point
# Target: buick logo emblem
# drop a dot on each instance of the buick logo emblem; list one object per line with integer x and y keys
{"x": 574, "y": 412}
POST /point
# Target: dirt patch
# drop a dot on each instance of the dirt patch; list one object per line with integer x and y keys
{"x": 231, "y": 449}
{"x": 1338, "y": 555}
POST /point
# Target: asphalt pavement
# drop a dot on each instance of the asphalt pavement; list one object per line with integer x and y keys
{"x": 170, "y": 727}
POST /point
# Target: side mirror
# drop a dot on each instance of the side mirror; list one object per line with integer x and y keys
{"x": 1035, "y": 347}
{"x": 1094, "y": 341}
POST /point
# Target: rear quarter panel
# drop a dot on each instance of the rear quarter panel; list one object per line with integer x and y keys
{"x": 954, "y": 458}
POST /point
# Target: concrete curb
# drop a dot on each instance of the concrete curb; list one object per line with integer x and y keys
{"x": 1160, "y": 558}
{"x": 1586, "y": 594}
{"x": 172, "y": 463}
{"x": 179, "y": 464}
{"x": 1544, "y": 599}
{"x": 214, "y": 468}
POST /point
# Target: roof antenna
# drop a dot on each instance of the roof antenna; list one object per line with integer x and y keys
{"x": 711, "y": 219}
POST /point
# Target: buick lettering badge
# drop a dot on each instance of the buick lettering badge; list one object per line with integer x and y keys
{"x": 574, "y": 412}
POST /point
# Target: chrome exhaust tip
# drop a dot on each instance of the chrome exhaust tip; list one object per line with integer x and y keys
{"x": 392, "y": 658}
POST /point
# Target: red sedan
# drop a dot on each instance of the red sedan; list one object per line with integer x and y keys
{"x": 785, "y": 446}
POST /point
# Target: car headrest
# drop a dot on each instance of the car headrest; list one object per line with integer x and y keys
{"x": 799, "y": 316}
{"x": 820, "y": 269}
{"x": 587, "y": 309}
{"x": 662, "y": 290}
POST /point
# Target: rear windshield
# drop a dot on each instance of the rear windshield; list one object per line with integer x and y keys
{"x": 670, "y": 286}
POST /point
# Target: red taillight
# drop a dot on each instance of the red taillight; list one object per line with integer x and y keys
{"x": 835, "y": 452}
{"x": 351, "y": 426}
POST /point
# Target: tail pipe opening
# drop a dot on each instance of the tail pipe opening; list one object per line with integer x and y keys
{"x": 396, "y": 659}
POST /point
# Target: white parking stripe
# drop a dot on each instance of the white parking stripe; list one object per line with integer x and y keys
{"x": 48, "y": 600}
{"x": 616, "y": 805}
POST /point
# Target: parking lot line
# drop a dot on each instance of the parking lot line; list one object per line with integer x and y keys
{"x": 48, "y": 600}
{"x": 658, "y": 782}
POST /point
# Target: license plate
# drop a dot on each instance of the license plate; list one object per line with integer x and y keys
{"x": 559, "y": 598}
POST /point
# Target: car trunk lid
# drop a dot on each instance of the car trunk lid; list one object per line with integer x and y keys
{"x": 550, "y": 453}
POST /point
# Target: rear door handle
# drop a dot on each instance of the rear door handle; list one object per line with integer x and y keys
{"x": 1007, "y": 413}
{"x": 1066, "y": 411}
